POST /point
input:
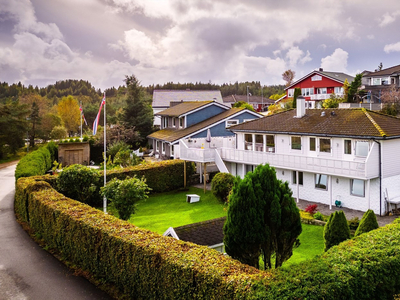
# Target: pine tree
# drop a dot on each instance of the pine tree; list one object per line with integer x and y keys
{"x": 367, "y": 223}
{"x": 336, "y": 230}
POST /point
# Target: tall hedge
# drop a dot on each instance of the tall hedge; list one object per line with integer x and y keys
{"x": 37, "y": 162}
{"x": 368, "y": 222}
{"x": 145, "y": 265}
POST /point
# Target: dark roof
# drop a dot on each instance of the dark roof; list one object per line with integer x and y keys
{"x": 163, "y": 98}
{"x": 388, "y": 71}
{"x": 207, "y": 233}
{"x": 183, "y": 108}
{"x": 252, "y": 99}
{"x": 337, "y": 76}
{"x": 171, "y": 134}
{"x": 358, "y": 122}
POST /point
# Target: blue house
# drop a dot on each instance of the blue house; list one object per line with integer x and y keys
{"x": 198, "y": 124}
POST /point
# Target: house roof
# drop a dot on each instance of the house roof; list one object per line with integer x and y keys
{"x": 336, "y": 76}
{"x": 252, "y": 99}
{"x": 163, "y": 98}
{"x": 388, "y": 71}
{"x": 207, "y": 233}
{"x": 171, "y": 135}
{"x": 358, "y": 123}
{"x": 185, "y": 107}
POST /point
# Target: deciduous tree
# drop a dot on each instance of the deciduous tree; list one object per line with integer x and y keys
{"x": 288, "y": 76}
{"x": 68, "y": 110}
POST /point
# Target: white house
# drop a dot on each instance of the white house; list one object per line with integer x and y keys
{"x": 325, "y": 154}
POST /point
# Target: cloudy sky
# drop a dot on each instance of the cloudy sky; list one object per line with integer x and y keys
{"x": 42, "y": 41}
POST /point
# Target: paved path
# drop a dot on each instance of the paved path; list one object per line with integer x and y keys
{"x": 27, "y": 272}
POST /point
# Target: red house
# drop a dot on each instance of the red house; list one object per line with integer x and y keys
{"x": 318, "y": 86}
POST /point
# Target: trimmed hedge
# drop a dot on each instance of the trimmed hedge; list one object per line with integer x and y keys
{"x": 143, "y": 264}
{"x": 37, "y": 162}
{"x": 161, "y": 177}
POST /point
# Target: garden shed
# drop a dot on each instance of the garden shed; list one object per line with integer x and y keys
{"x": 74, "y": 153}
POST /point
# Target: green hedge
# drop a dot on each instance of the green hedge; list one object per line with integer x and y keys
{"x": 37, "y": 162}
{"x": 139, "y": 263}
{"x": 143, "y": 264}
{"x": 161, "y": 177}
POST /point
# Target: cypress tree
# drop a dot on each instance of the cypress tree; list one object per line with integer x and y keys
{"x": 336, "y": 230}
{"x": 367, "y": 223}
{"x": 297, "y": 92}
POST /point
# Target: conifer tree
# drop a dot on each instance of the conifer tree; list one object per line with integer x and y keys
{"x": 368, "y": 222}
{"x": 336, "y": 230}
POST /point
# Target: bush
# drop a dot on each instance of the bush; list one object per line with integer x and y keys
{"x": 79, "y": 182}
{"x": 116, "y": 147}
{"x": 336, "y": 230}
{"x": 123, "y": 194}
{"x": 318, "y": 216}
{"x": 58, "y": 132}
{"x": 353, "y": 223}
{"x": 37, "y": 162}
{"x": 221, "y": 186}
{"x": 368, "y": 222}
{"x": 311, "y": 209}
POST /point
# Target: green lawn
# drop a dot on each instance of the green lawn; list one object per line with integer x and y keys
{"x": 170, "y": 209}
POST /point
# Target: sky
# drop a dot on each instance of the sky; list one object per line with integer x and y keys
{"x": 218, "y": 41}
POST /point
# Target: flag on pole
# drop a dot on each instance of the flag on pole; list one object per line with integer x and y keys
{"x": 82, "y": 115}
{"x": 96, "y": 121}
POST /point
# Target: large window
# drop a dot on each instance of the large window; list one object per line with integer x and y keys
{"x": 322, "y": 91}
{"x": 259, "y": 142}
{"x": 325, "y": 145}
{"x": 347, "y": 146}
{"x": 321, "y": 181}
{"x": 294, "y": 177}
{"x": 270, "y": 143}
{"x": 248, "y": 141}
{"x": 338, "y": 90}
{"x": 357, "y": 187}
{"x": 307, "y": 91}
{"x": 312, "y": 144}
{"x": 296, "y": 142}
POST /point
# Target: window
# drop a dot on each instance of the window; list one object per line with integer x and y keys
{"x": 347, "y": 146}
{"x": 357, "y": 187}
{"x": 316, "y": 78}
{"x": 376, "y": 81}
{"x": 165, "y": 122}
{"x": 321, "y": 91}
{"x": 294, "y": 178}
{"x": 180, "y": 122}
{"x": 338, "y": 90}
{"x": 174, "y": 122}
{"x": 312, "y": 144}
{"x": 248, "y": 141}
{"x": 230, "y": 123}
{"x": 362, "y": 148}
{"x": 259, "y": 142}
{"x": 296, "y": 142}
{"x": 325, "y": 145}
{"x": 163, "y": 147}
{"x": 307, "y": 91}
{"x": 270, "y": 143}
{"x": 290, "y": 92}
{"x": 321, "y": 181}
{"x": 157, "y": 145}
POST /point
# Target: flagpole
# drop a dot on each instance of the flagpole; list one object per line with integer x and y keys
{"x": 81, "y": 118}
{"x": 105, "y": 156}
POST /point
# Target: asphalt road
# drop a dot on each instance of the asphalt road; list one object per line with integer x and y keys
{"x": 26, "y": 270}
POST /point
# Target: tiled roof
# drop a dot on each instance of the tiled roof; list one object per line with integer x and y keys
{"x": 388, "y": 71}
{"x": 207, "y": 233}
{"x": 163, "y": 98}
{"x": 171, "y": 135}
{"x": 336, "y": 122}
{"x": 252, "y": 99}
{"x": 182, "y": 108}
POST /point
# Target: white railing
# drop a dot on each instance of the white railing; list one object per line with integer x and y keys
{"x": 365, "y": 168}
{"x": 196, "y": 154}
{"x": 320, "y": 96}
{"x": 220, "y": 163}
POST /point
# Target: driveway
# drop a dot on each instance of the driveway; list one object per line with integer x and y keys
{"x": 26, "y": 270}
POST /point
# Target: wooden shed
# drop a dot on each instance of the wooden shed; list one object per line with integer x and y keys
{"x": 74, "y": 153}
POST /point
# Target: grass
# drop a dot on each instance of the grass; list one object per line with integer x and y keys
{"x": 170, "y": 209}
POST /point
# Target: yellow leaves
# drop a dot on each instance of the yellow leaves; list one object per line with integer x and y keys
{"x": 68, "y": 110}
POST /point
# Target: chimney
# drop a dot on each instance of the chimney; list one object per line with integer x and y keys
{"x": 300, "y": 107}
{"x": 321, "y": 69}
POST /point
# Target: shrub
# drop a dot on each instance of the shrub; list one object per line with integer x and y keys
{"x": 353, "y": 223}
{"x": 125, "y": 158}
{"x": 318, "y": 216}
{"x": 336, "y": 230}
{"x": 123, "y": 194}
{"x": 58, "y": 132}
{"x": 221, "y": 186}
{"x": 368, "y": 222}
{"x": 79, "y": 182}
{"x": 116, "y": 147}
{"x": 311, "y": 209}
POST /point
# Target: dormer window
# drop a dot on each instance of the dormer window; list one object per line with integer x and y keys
{"x": 181, "y": 122}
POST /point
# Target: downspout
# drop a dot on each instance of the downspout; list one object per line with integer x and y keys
{"x": 380, "y": 177}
